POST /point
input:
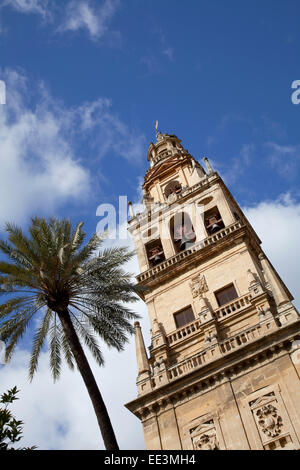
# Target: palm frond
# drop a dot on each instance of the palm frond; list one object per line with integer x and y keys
{"x": 84, "y": 331}
{"x": 55, "y": 348}
{"x": 67, "y": 351}
{"x": 38, "y": 342}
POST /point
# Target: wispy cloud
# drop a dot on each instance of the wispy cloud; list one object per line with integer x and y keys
{"x": 285, "y": 159}
{"x": 277, "y": 223}
{"x": 87, "y": 16}
{"x": 41, "y": 147}
{"x": 107, "y": 132}
{"x": 39, "y": 169}
{"x": 237, "y": 165}
{"x": 74, "y": 15}
{"x": 152, "y": 60}
{"x": 151, "y": 64}
{"x": 40, "y": 7}
{"x": 166, "y": 49}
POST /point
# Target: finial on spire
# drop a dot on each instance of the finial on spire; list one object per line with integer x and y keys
{"x": 159, "y": 135}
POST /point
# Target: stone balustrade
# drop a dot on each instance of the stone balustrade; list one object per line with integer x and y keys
{"x": 219, "y": 349}
{"x": 211, "y": 353}
{"x": 193, "y": 362}
{"x": 181, "y": 333}
{"x": 234, "y": 306}
{"x": 238, "y": 340}
{"x": 188, "y": 330}
{"x": 185, "y": 253}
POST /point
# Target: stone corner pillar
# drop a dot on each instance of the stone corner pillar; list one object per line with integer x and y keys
{"x": 141, "y": 355}
{"x": 280, "y": 295}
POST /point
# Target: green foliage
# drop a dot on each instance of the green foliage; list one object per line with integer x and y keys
{"x": 10, "y": 428}
{"x": 50, "y": 271}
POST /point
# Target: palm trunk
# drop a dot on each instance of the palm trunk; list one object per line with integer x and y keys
{"x": 105, "y": 426}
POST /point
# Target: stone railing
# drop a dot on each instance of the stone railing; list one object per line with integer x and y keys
{"x": 188, "y": 330}
{"x": 238, "y": 340}
{"x": 187, "y": 365}
{"x": 182, "y": 333}
{"x": 185, "y": 253}
{"x": 232, "y": 307}
{"x": 163, "y": 155}
{"x": 215, "y": 351}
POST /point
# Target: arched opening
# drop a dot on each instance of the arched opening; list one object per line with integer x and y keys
{"x": 155, "y": 252}
{"x": 172, "y": 188}
{"x": 182, "y": 231}
{"x": 213, "y": 221}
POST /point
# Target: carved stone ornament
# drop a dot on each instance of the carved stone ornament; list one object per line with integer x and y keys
{"x": 204, "y": 436}
{"x": 198, "y": 285}
{"x": 269, "y": 421}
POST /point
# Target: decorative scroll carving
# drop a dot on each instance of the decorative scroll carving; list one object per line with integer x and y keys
{"x": 269, "y": 420}
{"x": 204, "y": 436}
{"x": 266, "y": 415}
{"x": 198, "y": 285}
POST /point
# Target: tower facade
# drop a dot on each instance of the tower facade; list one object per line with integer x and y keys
{"x": 224, "y": 361}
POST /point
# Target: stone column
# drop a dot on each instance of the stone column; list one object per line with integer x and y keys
{"x": 279, "y": 293}
{"x": 141, "y": 355}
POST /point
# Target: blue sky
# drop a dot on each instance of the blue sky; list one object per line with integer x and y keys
{"x": 217, "y": 74}
{"x": 86, "y": 79}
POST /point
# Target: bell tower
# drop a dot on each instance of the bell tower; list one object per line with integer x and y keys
{"x": 223, "y": 366}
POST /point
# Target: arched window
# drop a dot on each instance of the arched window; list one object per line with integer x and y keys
{"x": 155, "y": 252}
{"x": 182, "y": 231}
{"x": 213, "y": 221}
{"x": 172, "y": 188}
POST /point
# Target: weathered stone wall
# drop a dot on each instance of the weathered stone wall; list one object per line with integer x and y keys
{"x": 259, "y": 409}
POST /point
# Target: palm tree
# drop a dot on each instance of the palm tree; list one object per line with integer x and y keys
{"x": 78, "y": 291}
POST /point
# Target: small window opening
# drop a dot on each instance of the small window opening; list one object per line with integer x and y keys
{"x": 184, "y": 317}
{"x": 225, "y": 295}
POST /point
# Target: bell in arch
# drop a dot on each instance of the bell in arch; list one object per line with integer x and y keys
{"x": 215, "y": 228}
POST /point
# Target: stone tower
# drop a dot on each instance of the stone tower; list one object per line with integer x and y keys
{"x": 224, "y": 364}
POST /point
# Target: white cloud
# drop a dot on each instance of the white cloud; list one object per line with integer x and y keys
{"x": 85, "y": 15}
{"x": 277, "y": 224}
{"x": 284, "y": 159}
{"x": 110, "y": 132}
{"x": 73, "y": 15}
{"x": 60, "y": 416}
{"x": 40, "y": 7}
{"x": 40, "y": 168}
{"x": 239, "y": 164}
{"x": 167, "y": 50}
